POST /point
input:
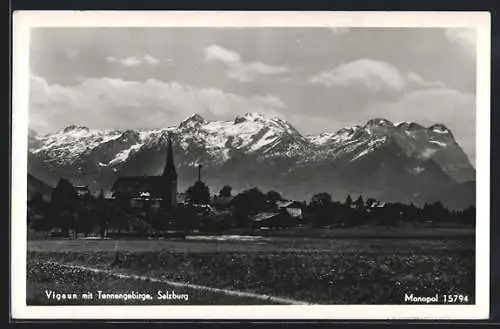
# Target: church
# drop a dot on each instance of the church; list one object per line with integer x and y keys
{"x": 160, "y": 191}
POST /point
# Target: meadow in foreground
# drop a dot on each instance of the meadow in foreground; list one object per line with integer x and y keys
{"x": 316, "y": 275}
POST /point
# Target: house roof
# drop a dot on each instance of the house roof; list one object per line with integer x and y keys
{"x": 81, "y": 187}
{"x": 287, "y": 204}
{"x": 263, "y": 216}
{"x": 378, "y": 204}
{"x": 143, "y": 198}
{"x": 283, "y": 204}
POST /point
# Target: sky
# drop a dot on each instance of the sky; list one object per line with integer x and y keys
{"x": 318, "y": 79}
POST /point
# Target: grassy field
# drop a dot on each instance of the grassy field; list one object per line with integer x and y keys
{"x": 409, "y": 232}
{"x": 325, "y": 271}
{"x": 45, "y": 277}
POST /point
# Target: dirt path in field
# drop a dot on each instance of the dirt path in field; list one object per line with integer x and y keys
{"x": 228, "y": 292}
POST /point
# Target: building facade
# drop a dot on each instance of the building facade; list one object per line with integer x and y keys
{"x": 162, "y": 189}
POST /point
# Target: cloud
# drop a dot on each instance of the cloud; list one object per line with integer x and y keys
{"x": 71, "y": 53}
{"x": 413, "y": 78}
{"x": 151, "y": 60}
{"x": 373, "y": 75}
{"x": 218, "y": 53}
{"x": 116, "y": 103}
{"x": 133, "y": 61}
{"x": 453, "y": 108}
{"x": 238, "y": 69}
{"x": 465, "y": 37}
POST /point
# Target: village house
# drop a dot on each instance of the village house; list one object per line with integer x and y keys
{"x": 82, "y": 190}
{"x": 293, "y": 208}
{"x": 181, "y": 198}
{"x": 145, "y": 200}
{"x": 272, "y": 220}
{"x": 374, "y": 205}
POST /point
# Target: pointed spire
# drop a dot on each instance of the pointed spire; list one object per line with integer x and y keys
{"x": 169, "y": 170}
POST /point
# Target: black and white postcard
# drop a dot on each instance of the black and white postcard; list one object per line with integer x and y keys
{"x": 250, "y": 165}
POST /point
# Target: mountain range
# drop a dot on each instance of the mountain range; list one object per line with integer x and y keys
{"x": 402, "y": 162}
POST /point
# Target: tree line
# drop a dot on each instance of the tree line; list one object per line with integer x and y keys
{"x": 323, "y": 212}
{"x": 87, "y": 214}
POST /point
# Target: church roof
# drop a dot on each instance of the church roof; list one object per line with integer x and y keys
{"x": 169, "y": 169}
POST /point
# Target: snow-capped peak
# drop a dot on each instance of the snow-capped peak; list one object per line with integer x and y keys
{"x": 239, "y": 119}
{"x": 439, "y": 128}
{"x": 130, "y": 135}
{"x": 321, "y": 138}
{"x": 252, "y": 132}
{"x": 379, "y": 122}
{"x": 75, "y": 128}
{"x": 72, "y": 142}
{"x": 261, "y": 119}
{"x": 348, "y": 129}
{"x": 94, "y": 154}
{"x": 409, "y": 125}
{"x": 193, "y": 120}
{"x": 254, "y": 116}
{"x": 340, "y": 136}
{"x": 195, "y": 117}
{"x": 251, "y": 116}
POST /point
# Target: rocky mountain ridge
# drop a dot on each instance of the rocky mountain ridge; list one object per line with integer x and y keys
{"x": 396, "y": 161}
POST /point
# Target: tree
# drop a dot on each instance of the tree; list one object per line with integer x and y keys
{"x": 86, "y": 221}
{"x": 104, "y": 213}
{"x": 468, "y": 216}
{"x": 36, "y": 206}
{"x": 348, "y": 200}
{"x": 64, "y": 194}
{"x": 186, "y": 217}
{"x": 225, "y": 191}
{"x": 199, "y": 193}
{"x": 119, "y": 219}
{"x": 321, "y": 209}
{"x": 390, "y": 215}
{"x": 247, "y": 203}
{"x": 37, "y": 203}
{"x": 65, "y": 221}
{"x": 321, "y": 199}
{"x": 273, "y": 196}
{"x": 38, "y": 211}
{"x": 360, "y": 204}
{"x": 358, "y": 215}
{"x": 63, "y": 205}
{"x": 436, "y": 212}
{"x": 123, "y": 198}
{"x": 218, "y": 222}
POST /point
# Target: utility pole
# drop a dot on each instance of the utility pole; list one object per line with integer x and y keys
{"x": 199, "y": 172}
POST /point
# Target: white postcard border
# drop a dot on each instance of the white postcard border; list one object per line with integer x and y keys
{"x": 24, "y": 20}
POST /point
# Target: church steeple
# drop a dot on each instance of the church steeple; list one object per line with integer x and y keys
{"x": 169, "y": 186}
{"x": 169, "y": 169}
